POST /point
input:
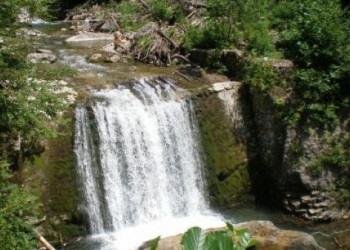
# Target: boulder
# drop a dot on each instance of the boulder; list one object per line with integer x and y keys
{"x": 90, "y": 36}
{"x": 269, "y": 237}
{"x": 234, "y": 61}
{"x": 121, "y": 43}
{"x": 112, "y": 59}
{"x": 109, "y": 48}
{"x": 108, "y": 26}
{"x": 41, "y": 58}
{"x": 221, "y": 86}
{"x": 24, "y": 32}
{"x": 96, "y": 57}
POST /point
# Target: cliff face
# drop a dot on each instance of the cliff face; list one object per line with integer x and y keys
{"x": 224, "y": 152}
{"x": 286, "y": 164}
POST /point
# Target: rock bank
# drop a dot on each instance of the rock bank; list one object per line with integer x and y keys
{"x": 269, "y": 237}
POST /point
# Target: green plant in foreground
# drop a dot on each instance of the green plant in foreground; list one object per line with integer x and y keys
{"x": 230, "y": 239}
{"x": 196, "y": 238}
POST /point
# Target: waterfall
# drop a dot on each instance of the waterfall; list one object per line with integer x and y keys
{"x": 138, "y": 156}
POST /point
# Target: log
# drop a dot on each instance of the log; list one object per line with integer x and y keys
{"x": 181, "y": 57}
{"x": 43, "y": 241}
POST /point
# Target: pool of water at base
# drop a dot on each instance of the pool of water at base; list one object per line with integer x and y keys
{"x": 331, "y": 236}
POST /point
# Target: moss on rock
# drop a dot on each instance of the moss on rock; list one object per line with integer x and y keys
{"x": 51, "y": 176}
{"x": 225, "y": 158}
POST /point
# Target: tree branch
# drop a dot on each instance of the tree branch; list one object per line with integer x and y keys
{"x": 171, "y": 41}
{"x": 43, "y": 241}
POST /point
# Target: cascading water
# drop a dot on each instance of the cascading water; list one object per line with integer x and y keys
{"x": 139, "y": 162}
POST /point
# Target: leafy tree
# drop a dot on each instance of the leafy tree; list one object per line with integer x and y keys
{"x": 314, "y": 35}
{"x": 27, "y": 106}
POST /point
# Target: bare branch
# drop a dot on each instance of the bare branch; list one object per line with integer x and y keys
{"x": 171, "y": 41}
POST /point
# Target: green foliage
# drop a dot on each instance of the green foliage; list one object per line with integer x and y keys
{"x": 229, "y": 23}
{"x": 128, "y": 11}
{"x": 46, "y": 72}
{"x": 337, "y": 160}
{"x": 15, "y": 205}
{"x": 28, "y": 109}
{"x": 230, "y": 239}
{"x": 261, "y": 76}
{"x": 213, "y": 35}
{"x": 10, "y": 9}
{"x": 27, "y": 105}
{"x": 160, "y": 9}
{"x": 154, "y": 243}
{"x": 314, "y": 35}
{"x": 194, "y": 239}
{"x": 144, "y": 42}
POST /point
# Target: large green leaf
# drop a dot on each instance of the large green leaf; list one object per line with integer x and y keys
{"x": 197, "y": 239}
{"x": 194, "y": 239}
{"x": 219, "y": 241}
{"x": 244, "y": 239}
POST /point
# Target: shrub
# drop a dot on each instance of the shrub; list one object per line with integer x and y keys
{"x": 313, "y": 34}
{"x": 161, "y": 10}
{"x": 260, "y": 75}
{"x": 15, "y": 204}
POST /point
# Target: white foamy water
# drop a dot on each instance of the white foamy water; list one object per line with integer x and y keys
{"x": 78, "y": 62}
{"x": 140, "y": 166}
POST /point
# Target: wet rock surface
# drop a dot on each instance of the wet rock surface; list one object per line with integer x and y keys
{"x": 41, "y": 57}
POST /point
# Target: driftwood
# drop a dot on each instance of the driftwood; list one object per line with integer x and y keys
{"x": 171, "y": 41}
{"x": 115, "y": 21}
{"x": 43, "y": 241}
{"x": 183, "y": 75}
{"x": 181, "y": 57}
